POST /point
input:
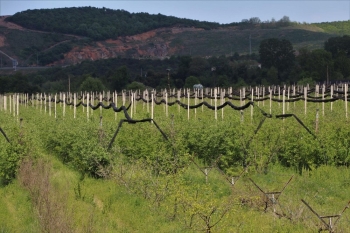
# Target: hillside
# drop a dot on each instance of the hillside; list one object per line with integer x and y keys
{"x": 33, "y": 41}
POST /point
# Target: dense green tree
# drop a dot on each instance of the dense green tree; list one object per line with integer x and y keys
{"x": 190, "y": 81}
{"x": 120, "y": 79}
{"x": 317, "y": 64}
{"x": 277, "y": 53}
{"x": 92, "y": 84}
{"x": 342, "y": 64}
{"x": 136, "y": 86}
{"x": 337, "y": 45}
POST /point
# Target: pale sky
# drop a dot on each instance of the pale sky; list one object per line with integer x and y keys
{"x": 225, "y": 11}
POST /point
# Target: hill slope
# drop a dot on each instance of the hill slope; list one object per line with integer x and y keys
{"x": 45, "y": 38}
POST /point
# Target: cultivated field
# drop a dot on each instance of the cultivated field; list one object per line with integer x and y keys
{"x": 177, "y": 164}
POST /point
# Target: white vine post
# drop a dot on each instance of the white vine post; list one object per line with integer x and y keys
{"x": 152, "y": 107}
{"x": 202, "y": 92}
{"x": 132, "y": 104}
{"x": 64, "y": 105}
{"x": 10, "y": 103}
{"x": 305, "y": 97}
{"x": 288, "y": 98}
{"x": 332, "y": 88}
{"x": 283, "y": 102}
{"x": 195, "y": 103}
{"x": 101, "y": 103}
{"x": 116, "y": 104}
{"x": 75, "y": 105}
{"x": 294, "y": 95}
{"x": 39, "y": 100}
{"x": 263, "y": 95}
{"x": 87, "y": 105}
{"x": 240, "y": 100}
{"x": 215, "y": 103}
{"x": 55, "y": 106}
{"x": 1, "y": 102}
{"x": 346, "y": 99}
{"x": 123, "y": 98}
{"x": 83, "y": 99}
{"x": 166, "y": 104}
{"x": 14, "y": 104}
{"x": 45, "y": 100}
{"x": 258, "y": 94}
{"x": 270, "y": 91}
{"x": 222, "y": 102}
{"x": 147, "y": 98}
{"x": 5, "y": 103}
{"x": 17, "y": 103}
{"x": 135, "y": 104}
{"x": 92, "y": 102}
{"x": 251, "y": 107}
{"x": 279, "y": 95}
{"x": 323, "y": 90}
{"x": 188, "y": 104}
{"x": 243, "y": 95}
{"x": 179, "y": 99}
{"x": 50, "y": 105}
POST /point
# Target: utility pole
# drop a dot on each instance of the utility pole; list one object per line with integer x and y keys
{"x": 168, "y": 78}
{"x": 250, "y": 44}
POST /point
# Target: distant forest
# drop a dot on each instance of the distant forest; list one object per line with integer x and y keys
{"x": 275, "y": 64}
{"x": 99, "y": 23}
{"x": 104, "y": 23}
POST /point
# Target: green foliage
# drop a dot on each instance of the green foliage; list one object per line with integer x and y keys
{"x": 136, "y": 86}
{"x": 99, "y": 23}
{"x": 92, "y": 85}
{"x": 11, "y": 154}
{"x": 190, "y": 81}
{"x": 337, "y": 27}
{"x": 277, "y": 53}
{"x": 53, "y": 54}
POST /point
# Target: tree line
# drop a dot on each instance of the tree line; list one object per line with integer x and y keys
{"x": 99, "y": 23}
{"x": 276, "y": 63}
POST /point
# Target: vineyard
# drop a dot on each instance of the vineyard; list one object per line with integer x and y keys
{"x": 214, "y": 160}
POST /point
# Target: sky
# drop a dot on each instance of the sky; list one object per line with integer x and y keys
{"x": 224, "y": 11}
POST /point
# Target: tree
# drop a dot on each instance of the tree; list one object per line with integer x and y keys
{"x": 277, "y": 53}
{"x": 120, "y": 78}
{"x": 335, "y": 45}
{"x": 92, "y": 84}
{"x": 316, "y": 64}
{"x": 190, "y": 81}
{"x": 136, "y": 86}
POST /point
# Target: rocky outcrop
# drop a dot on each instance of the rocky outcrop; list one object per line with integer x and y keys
{"x": 152, "y": 44}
